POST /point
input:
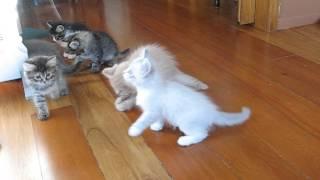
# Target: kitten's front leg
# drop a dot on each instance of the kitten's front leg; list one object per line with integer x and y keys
{"x": 125, "y": 104}
{"x": 41, "y": 105}
{"x": 143, "y": 122}
{"x": 63, "y": 87}
{"x": 95, "y": 67}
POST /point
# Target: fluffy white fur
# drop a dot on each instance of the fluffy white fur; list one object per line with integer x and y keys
{"x": 162, "y": 98}
{"x": 165, "y": 64}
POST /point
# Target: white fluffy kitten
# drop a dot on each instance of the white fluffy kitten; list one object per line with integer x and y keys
{"x": 164, "y": 63}
{"x": 163, "y": 99}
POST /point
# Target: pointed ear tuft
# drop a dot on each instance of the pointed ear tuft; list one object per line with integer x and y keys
{"x": 109, "y": 72}
{"x": 28, "y": 67}
{"x": 145, "y": 67}
{"x": 145, "y": 53}
{"x": 52, "y": 61}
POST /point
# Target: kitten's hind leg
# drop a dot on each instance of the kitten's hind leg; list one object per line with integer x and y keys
{"x": 191, "y": 139}
{"x": 190, "y": 81}
{"x": 125, "y": 104}
{"x": 157, "y": 126}
{"x": 193, "y": 134}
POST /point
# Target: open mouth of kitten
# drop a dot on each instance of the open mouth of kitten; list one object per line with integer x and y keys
{"x": 69, "y": 56}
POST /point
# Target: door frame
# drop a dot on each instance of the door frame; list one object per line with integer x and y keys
{"x": 263, "y": 13}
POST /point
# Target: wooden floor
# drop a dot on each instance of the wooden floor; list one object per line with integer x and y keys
{"x": 302, "y": 41}
{"x": 280, "y": 141}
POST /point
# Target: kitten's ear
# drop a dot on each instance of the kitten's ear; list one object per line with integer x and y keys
{"x": 145, "y": 53}
{"x": 60, "y": 28}
{"x": 49, "y": 24}
{"x": 52, "y": 61}
{"x": 28, "y": 67}
{"x": 109, "y": 72}
{"x": 145, "y": 67}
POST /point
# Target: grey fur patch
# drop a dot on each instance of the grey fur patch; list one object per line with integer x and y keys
{"x": 98, "y": 47}
{"x": 46, "y": 78}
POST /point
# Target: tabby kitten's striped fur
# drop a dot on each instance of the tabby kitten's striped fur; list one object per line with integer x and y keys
{"x": 98, "y": 47}
{"x": 62, "y": 31}
{"x": 42, "y": 73}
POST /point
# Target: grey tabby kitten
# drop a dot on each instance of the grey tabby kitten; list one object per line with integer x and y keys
{"x": 42, "y": 73}
{"x": 61, "y": 31}
{"x": 98, "y": 47}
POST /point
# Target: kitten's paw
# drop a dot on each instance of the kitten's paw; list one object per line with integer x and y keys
{"x": 184, "y": 141}
{"x": 119, "y": 100}
{"x": 157, "y": 126}
{"x": 188, "y": 140}
{"x": 95, "y": 68}
{"x": 134, "y": 131}
{"x": 202, "y": 86}
{"x": 123, "y": 107}
{"x": 43, "y": 116}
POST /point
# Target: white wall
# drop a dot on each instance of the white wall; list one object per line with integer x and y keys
{"x": 298, "y": 12}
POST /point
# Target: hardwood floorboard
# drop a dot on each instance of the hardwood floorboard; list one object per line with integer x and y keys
{"x": 62, "y": 148}
{"x": 244, "y": 51}
{"x": 18, "y": 154}
{"x": 280, "y": 141}
{"x": 118, "y": 155}
{"x": 302, "y": 41}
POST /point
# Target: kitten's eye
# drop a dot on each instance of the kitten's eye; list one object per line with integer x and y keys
{"x": 50, "y": 75}
{"x": 37, "y": 77}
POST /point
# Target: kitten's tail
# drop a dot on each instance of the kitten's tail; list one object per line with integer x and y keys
{"x": 230, "y": 119}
